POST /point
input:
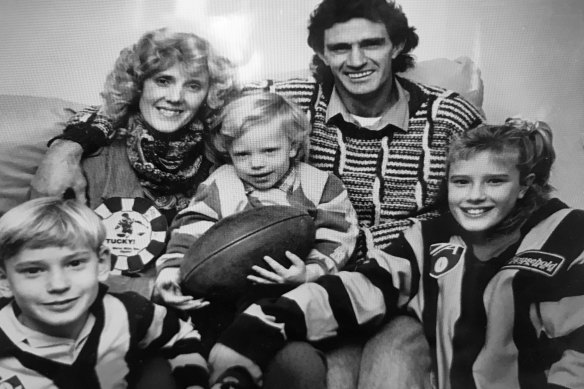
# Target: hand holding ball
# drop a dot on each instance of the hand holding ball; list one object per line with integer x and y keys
{"x": 218, "y": 263}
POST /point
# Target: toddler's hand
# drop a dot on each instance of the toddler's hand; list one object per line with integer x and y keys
{"x": 294, "y": 275}
{"x": 167, "y": 286}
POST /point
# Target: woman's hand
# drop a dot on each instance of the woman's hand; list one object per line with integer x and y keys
{"x": 60, "y": 171}
{"x": 167, "y": 288}
{"x": 294, "y": 275}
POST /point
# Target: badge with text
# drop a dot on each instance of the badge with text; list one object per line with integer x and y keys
{"x": 444, "y": 257}
{"x": 537, "y": 261}
{"x": 136, "y": 231}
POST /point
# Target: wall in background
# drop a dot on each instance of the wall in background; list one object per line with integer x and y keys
{"x": 531, "y": 52}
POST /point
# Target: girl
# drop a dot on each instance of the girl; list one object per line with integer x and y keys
{"x": 496, "y": 281}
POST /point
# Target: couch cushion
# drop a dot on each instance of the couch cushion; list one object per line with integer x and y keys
{"x": 26, "y": 125}
{"x": 460, "y": 75}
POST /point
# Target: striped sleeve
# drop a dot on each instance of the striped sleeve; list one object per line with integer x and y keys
{"x": 153, "y": 328}
{"x": 180, "y": 343}
{"x": 335, "y": 221}
{"x": 190, "y": 223}
{"x": 559, "y": 315}
{"x": 334, "y": 305}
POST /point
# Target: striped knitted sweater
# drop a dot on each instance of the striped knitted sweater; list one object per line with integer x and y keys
{"x": 392, "y": 176}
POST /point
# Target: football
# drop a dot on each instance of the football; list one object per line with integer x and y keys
{"x": 217, "y": 264}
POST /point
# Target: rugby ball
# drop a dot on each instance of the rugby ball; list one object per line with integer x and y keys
{"x": 217, "y": 264}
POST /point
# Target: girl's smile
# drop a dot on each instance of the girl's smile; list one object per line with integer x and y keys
{"x": 483, "y": 189}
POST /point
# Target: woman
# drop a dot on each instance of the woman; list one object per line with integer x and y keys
{"x": 162, "y": 97}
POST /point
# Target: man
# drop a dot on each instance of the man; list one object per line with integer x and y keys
{"x": 384, "y": 136}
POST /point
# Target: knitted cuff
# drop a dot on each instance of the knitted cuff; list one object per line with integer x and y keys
{"x": 90, "y": 138}
{"x": 89, "y": 129}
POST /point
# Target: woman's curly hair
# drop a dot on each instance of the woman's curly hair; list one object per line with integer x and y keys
{"x": 157, "y": 51}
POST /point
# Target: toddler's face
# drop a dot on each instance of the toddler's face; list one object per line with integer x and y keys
{"x": 262, "y": 155}
{"x": 483, "y": 189}
{"x": 55, "y": 286}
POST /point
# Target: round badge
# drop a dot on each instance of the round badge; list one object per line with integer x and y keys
{"x": 135, "y": 231}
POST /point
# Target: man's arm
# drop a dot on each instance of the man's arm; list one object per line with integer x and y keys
{"x": 60, "y": 173}
{"x": 336, "y": 232}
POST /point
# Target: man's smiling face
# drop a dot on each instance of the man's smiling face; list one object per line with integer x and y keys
{"x": 359, "y": 53}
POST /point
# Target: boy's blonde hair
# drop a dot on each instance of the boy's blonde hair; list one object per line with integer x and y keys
{"x": 47, "y": 222}
{"x": 247, "y": 111}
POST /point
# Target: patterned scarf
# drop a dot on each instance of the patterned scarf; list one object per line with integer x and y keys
{"x": 169, "y": 166}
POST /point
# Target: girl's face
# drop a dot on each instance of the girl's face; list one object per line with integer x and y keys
{"x": 483, "y": 189}
{"x": 171, "y": 98}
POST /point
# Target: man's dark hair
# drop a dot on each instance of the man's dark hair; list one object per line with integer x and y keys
{"x": 330, "y": 12}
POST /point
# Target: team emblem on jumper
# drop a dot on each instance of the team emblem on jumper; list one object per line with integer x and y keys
{"x": 537, "y": 261}
{"x": 444, "y": 257}
{"x": 135, "y": 231}
{"x": 11, "y": 383}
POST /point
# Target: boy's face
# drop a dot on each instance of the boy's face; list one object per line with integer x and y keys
{"x": 55, "y": 286}
{"x": 262, "y": 155}
{"x": 483, "y": 189}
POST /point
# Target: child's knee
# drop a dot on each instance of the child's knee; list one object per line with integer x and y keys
{"x": 298, "y": 365}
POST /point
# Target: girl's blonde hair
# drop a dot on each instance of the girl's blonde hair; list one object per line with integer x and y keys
{"x": 47, "y": 222}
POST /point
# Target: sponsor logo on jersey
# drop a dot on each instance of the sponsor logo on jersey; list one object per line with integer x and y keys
{"x": 537, "y": 261}
{"x": 444, "y": 257}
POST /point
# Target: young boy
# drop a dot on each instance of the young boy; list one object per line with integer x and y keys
{"x": 264, "y": 138}
{"x": 60, "y": 328}
{"x": 496, "y": 281}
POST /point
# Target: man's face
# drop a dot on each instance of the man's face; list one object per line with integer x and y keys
{"x": 359, "y": 53}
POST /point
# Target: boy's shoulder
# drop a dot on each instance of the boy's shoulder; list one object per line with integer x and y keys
{"x": 133, "y": 309}
{"x": 133, "y": 302}
{"x": 306, "y": 169}
{"x": 225, "y": 179}
{"x": 310, "y": 175}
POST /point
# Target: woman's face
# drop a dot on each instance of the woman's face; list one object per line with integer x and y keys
{"x": 171, "y": 98}
{"x": 483, "y": 189}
